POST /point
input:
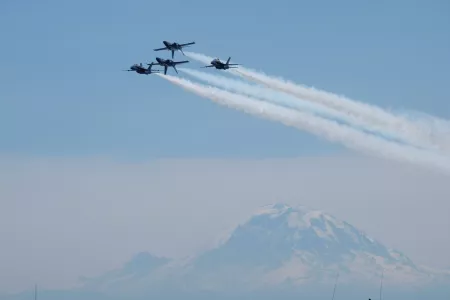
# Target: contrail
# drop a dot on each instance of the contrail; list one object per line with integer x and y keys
{"x": 372, "y": 115}
{"x": 438, "y": 128}
{"x": 290, "y": 101}
{"x": 263, "y": 92}
{"x": 328, "y": 129}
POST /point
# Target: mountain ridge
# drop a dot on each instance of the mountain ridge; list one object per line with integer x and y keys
{"x": 296, "y": 245}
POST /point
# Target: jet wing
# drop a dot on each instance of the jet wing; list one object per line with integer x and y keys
{"x": 187, "y": 44}
{"x": 159, "y": 49}
{"x": 207, "y": 66}
{"x": 181, "y": 62}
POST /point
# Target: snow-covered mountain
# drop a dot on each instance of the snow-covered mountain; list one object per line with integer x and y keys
{"x": 277, "y": 246}
{"x": 279, "y": 251}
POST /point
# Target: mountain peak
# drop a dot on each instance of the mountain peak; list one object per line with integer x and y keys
{"x": 299, "y": 216}
{"x": 279, "y": 235}
{"x": 273, "y": 209}
{"x": 280, "y": 208}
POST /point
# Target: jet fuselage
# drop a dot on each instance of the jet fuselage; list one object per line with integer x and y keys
{"x": 165, "y": 62}
{"x": 171, "y": 46}
{"x": 219, "y": 65}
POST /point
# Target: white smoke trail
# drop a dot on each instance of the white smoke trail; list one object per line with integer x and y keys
{"x": 328, "y": 129}
{"x": 439, "y": 129}
{"x": 283, "y": 99}
{"x": 262, "y": 92}
{"x": 372, "y": 115}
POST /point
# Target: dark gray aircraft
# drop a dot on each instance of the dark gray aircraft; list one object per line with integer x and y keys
{"x": 216, "y": 63}
{"x": 174, "y": 47}
{"x": 141, "y": 70}
{"x": 169, "y": 63}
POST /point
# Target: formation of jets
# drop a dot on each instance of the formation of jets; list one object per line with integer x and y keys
{"x": 166, "y": 63}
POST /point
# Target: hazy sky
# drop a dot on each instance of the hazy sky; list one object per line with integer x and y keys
{"x": 82, "y": 184}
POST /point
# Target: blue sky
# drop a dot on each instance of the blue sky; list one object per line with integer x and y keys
{"x": 63, "y": 92}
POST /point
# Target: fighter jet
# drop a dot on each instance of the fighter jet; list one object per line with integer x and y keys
{"x": 216, "y": 63}
{"x": 174, "y": 46}
{"x": 141, "y": 70}
{"x": 169, "y": 63}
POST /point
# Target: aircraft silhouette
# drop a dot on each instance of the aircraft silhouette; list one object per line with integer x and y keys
{"x": 138, "y": 68}
{"x": 216, "y": 63}
{"x": 174, "y": 47}
{"x": 169, "y": 63}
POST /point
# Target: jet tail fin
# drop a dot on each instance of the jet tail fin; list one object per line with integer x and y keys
{"x": 229, "y": 58}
